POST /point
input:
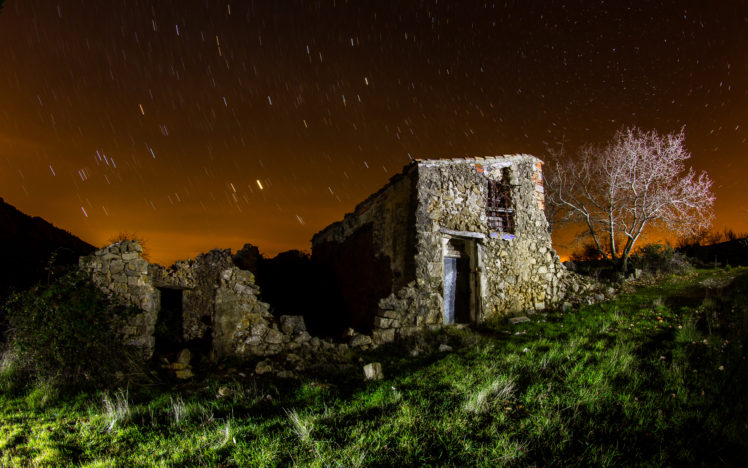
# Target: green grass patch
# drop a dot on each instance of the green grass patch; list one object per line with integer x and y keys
{"x": 657, "y": 376}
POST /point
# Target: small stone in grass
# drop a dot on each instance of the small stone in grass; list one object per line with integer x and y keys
{"x": 373, "y": 371}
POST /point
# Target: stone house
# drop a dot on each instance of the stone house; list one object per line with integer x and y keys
{"x": 446, "y": 241}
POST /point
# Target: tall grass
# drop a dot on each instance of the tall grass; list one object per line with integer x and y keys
{"x": 116, "y": 409}
{"x": 177, "y": 410}
{"x": 497, "y": 389}
{"x": 302, "y": 425}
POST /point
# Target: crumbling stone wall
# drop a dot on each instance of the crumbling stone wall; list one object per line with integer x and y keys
{"x": 120, "y": 271}
{"x": 219, "y": 304}
{"x": 197, "y": 278}
{"x": 446, "y": 199}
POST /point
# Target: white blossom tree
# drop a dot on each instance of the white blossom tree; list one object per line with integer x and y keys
{"x": 636, "y": 181}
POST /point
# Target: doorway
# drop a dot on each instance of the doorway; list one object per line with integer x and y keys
{"x": 169, "y": 324}
{"x": 459, "y": 281}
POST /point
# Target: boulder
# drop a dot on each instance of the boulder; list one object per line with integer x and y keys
{"x": 381, "y": 322}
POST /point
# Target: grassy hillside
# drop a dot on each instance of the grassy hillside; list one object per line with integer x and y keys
{"x": 657, "y": 376}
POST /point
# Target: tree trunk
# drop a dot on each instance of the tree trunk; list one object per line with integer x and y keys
{"x": 623, "y": 264}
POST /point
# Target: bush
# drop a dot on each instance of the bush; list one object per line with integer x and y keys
{"x": 65, "y": 332}
{"x": 660, "y": 258}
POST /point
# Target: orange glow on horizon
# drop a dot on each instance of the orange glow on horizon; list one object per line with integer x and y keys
{"x": 112, "y": 122}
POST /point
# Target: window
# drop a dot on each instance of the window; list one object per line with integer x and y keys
{"x": 499, "y": 210}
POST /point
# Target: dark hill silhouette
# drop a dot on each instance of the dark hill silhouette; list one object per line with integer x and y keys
{"x": 29, "y": 245}
{"x": 732, "y": 252}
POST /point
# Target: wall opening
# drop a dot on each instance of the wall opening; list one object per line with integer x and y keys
{"x": 169, "y": 324}
{"x": 460, "y": 281}
{"x": 499, "y": 206}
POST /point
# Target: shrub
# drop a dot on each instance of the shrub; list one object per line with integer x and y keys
{"x": 65, "y": 332}
{"x": 660, "y": 258}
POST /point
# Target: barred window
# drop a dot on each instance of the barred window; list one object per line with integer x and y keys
{"x": 499, "y": 209}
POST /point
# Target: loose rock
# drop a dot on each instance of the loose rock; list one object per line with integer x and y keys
{"x": 373, "y": 371}
{"x": 360, "y": 340}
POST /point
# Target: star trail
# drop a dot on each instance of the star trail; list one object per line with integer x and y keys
{"x": 202, "y": 124}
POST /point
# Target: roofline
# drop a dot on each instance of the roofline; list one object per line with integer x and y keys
{"x": 477, "y": 159}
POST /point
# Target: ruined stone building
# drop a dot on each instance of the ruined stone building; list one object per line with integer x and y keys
{"x": 206, "y": 303}
{"x": 446, "y": 241}
{"x": 457, "y": 241}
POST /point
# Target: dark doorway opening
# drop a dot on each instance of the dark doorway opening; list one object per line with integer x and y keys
{"x": 457, "y": 288}
{"x": 169, "y": 325}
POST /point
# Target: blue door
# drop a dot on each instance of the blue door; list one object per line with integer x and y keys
{"x": 450, "y": 289}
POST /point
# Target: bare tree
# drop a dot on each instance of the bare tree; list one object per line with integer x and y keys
{"x": 637, "y": 180}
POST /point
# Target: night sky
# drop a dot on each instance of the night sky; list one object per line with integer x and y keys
{"x": 202, "y": 124}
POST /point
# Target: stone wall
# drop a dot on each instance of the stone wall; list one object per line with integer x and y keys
{"x": 220, "y": 305}
{"x": 120, "y": 271}
{"x": 197, "y": 279}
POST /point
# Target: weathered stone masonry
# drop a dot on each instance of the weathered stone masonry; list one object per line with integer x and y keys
{"x": 219, "y": 302}
{"x": 430, "y": 225}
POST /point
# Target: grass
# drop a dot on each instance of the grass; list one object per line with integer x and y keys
{"x": 655, "y": 377}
